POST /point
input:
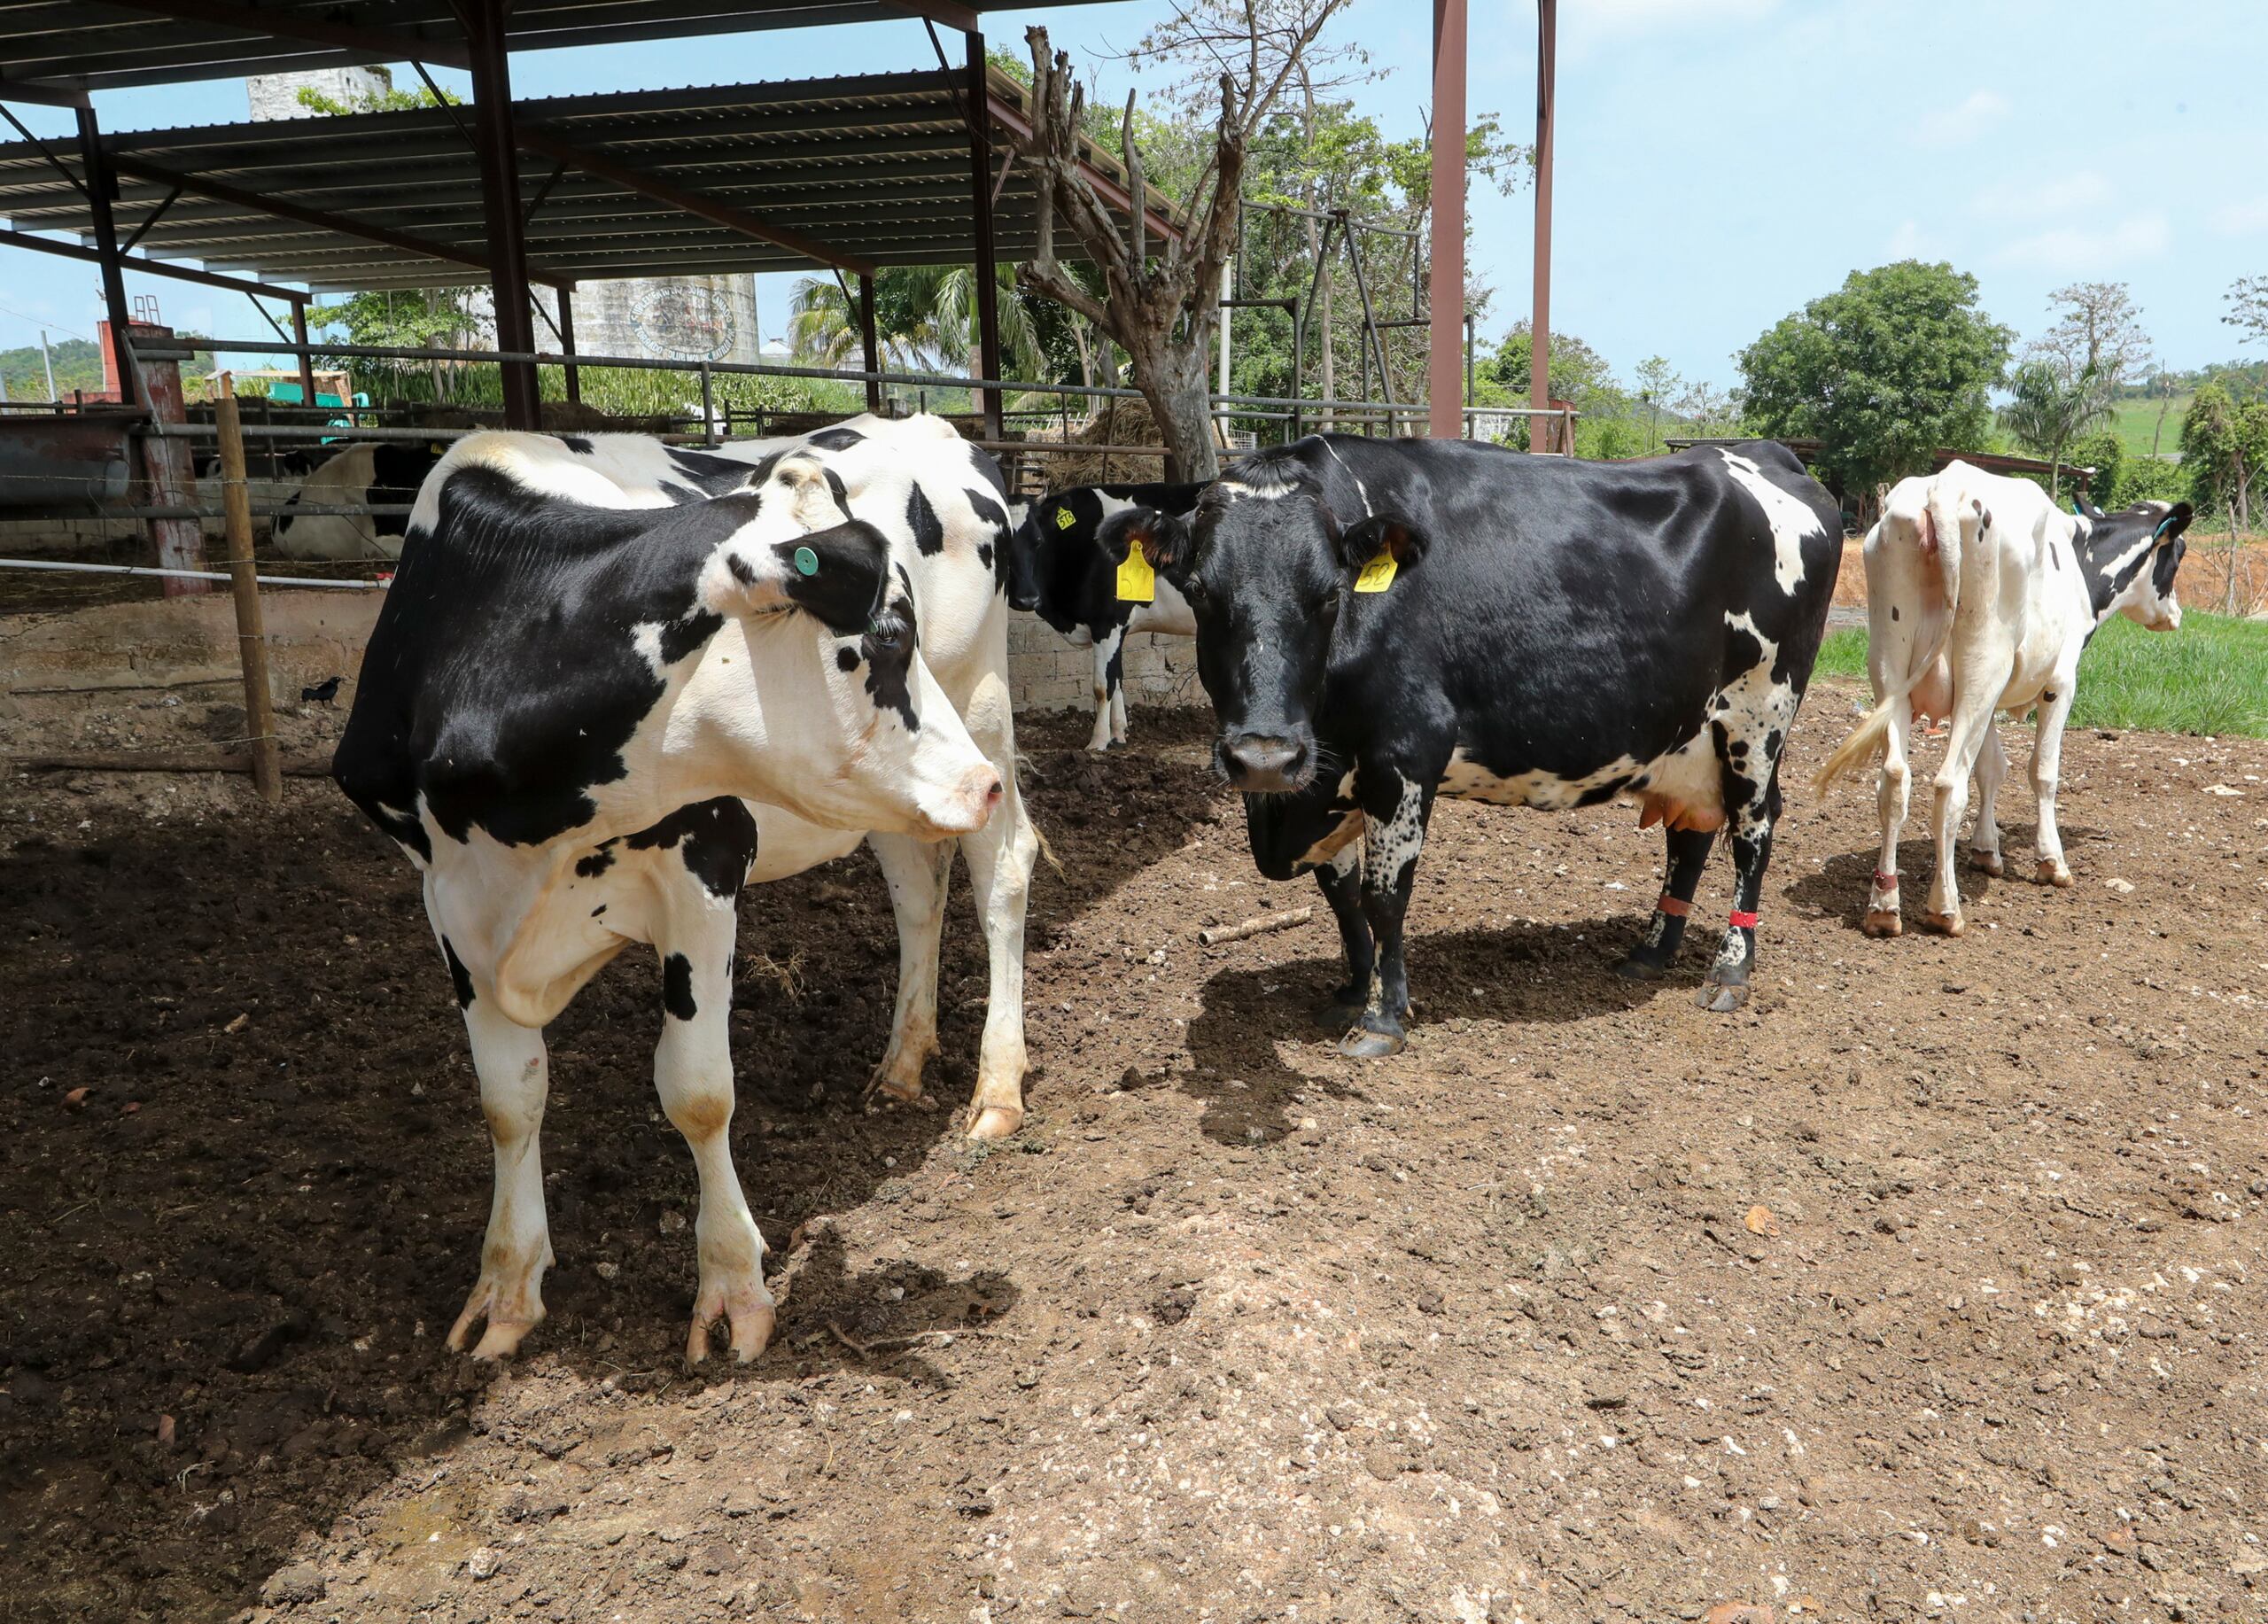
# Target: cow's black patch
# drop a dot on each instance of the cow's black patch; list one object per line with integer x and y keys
{"x": 846, "y": 658}
{"x": 921, "y": 519}
{"x": 575, "y": 443}
{"x": 503, "y": 677}
{"x": 854, "y": 560}
{"x": 677, "y": 987}
{"x": 838, "y": 490}
{"x": 836, "y": 439}
{"x": 680, "y": 493}
{"x": 397, "y": 469}
{"x": 888, "y": 645}
{"x": 719, "y": 837}
{"x": 598, "y": 910}
{"x": 715, "y": 476}
{"x": 1893, "y": 611}
{"x": 460, "y": 977}
{"x": 596, "y": 862}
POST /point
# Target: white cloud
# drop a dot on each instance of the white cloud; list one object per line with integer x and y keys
{"x": 2079, "y": 250}
{"x": 1911, "y": 242}
{"x": 2242, "y": 219}
{"x": 1977, "y": 112}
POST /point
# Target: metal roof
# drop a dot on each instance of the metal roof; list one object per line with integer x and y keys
{"x": 788, "y": 176}
{"x": 61, "y": 49}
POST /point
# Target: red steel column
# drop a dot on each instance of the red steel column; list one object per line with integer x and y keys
{"x": 1542, "y": 433}
{"x": 1444, "y": 361}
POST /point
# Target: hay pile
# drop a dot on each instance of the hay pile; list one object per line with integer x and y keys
{"x": 1115, "y": 422}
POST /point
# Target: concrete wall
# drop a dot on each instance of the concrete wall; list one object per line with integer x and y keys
{"x": 276, "y": 96}
{"x": 1047, "y": 673}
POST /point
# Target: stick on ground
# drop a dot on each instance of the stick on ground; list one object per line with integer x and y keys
{"x": 1213, "y": 935}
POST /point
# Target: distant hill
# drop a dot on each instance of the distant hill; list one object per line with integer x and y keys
{"x": 78, "y": 365}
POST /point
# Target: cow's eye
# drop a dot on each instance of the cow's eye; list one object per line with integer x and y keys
{"x": 886, "y": 636}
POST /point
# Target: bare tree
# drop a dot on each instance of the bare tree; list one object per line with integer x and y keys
{"x": 2249, "y": 307}
{"x": 1162, "y": 296}
{"x": 2098, "y": 333}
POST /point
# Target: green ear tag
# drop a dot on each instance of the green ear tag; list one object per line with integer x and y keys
{"x": 807, "y": 561}
{"x": 1377, "y": 574}
{"x": 1138, "y": 582}
{"x": 1064, "y": 519}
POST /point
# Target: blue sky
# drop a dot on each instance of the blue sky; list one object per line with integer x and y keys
{"x": 1719, "y": 161}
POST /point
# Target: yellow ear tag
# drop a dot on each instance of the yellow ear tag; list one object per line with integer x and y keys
{"x": 1138, "y": 582}
{"x": 1064, "y": 519}
{"x": 1377, "y": 574}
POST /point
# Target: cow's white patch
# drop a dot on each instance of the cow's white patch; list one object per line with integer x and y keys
{"x": 1792, "y": 523}
{"x": 1391, "y": 847}
{"x": 1265, "y": 479}
{"x": 1360, "y": 490}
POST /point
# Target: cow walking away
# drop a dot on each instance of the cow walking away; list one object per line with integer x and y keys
{"x": 1981, "y": 596}
{"x": 1382, "y": 622}
{"x": 1061, "y": 571}
{"x": 571, "y": 692}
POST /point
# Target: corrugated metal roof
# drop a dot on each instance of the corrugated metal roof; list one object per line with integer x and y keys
{"x": 871, "y": 168}
{"x": 78, "y": 45}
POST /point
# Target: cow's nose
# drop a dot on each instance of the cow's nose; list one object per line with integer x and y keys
{"x": 1023, "y": 602}
{"x": 993, "y": 797}
{"x": 1261, "y": 761}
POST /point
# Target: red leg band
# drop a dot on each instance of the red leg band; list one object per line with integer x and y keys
{"x": 1671, "y": 906}
{"x": 1886, "y": 883}
{"x": 1743, "y": 921}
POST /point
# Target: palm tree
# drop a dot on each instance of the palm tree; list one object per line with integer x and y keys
{"x": 925, "y": 319}
{"x": 2048, "y": 409}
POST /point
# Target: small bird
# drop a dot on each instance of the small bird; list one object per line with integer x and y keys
{"x": 323, "y": 692}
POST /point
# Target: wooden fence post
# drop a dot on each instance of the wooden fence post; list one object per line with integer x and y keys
{"x": 252, "y": 630}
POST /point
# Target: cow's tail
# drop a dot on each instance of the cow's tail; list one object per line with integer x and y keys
{"x": 1912, "y": 565}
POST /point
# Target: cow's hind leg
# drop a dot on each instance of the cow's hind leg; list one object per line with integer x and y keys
{"x": 1891, "y": 795}
{"x": 1341, "y": 880}
{"x": 693, "y": 1074}
{"x": 2046, "y": 761}
{"x": 1689, "y": 852}
{"x": 1001, "y": 880}
{"x": 919, "y": 875}
{"x": 1972, "y": 720}
{"x": 514, "y": 1082}
{"x": 1992, "y": 768}
{"x": 1392, "y": 838}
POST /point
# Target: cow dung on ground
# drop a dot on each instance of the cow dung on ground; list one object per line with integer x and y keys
{"x": 1234, "y": 1327}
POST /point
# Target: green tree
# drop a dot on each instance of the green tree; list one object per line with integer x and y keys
{"x": 2224, "y": 447}
{"x": 1579, "y": 373}
{"x": 1656, "y": 382}
{"x": 2249, "y": 307}
{"x": 2048, "y": 407}
{"x": 1895, "y": 363}
{"x": 925, "y": 317}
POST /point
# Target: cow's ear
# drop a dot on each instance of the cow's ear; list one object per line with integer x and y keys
{"x": 836, "y": 574}
{"x": 1380, "y": 536}
{"x": 2177, "y": 521}
{"x": 1163, "y": 537}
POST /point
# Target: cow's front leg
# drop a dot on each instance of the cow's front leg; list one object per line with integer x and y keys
{"x": 1689, "y": 854}
{"x": 1341, "y": 880}
{"x": 1992, "y": 768}
{"x": 1110, "y": 702}
{"x": 693, "y": 1074}
{"x": 1392, "y": 839}
{"x": 2046, "y": 761}
{"x": 918, "y": 876}
{"x": 515, "y": 1082}
{"x": 1000, "y": 874}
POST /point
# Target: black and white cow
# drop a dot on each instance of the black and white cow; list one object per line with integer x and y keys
{"x": 1380, "y": 622}
{"x": 382, "y": 474}
{"x": 571, "y": 692}
{"x": 940, "y": 503}
{"x": 1074, "y": 584}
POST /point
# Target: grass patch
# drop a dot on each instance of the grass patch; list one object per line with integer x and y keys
{"x": 2210, "y": 677}
{"x": 2136, "y": 423}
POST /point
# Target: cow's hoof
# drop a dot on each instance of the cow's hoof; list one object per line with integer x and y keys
{"x": 1722, "y": 997}
{"x": 2056, "y": 874}
{"x": 995, "y": 1122}
{"x": 1634, "y": 968}
{"x": 1881, "y": 922}
{"x": 748, "y": 1314}
{"x": 1987, "y": 862}
{"x": 895, "y": 1080}
{"x": 501, "y": 1336}
{"x": 1365, "y": 1044}
{"x": 1944, "y": 924}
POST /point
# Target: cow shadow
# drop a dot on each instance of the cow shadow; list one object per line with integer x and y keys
{"x": 1519, "y": 974}
{"x": 1838, "y": 890}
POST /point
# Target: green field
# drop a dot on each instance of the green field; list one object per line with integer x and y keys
{"x": 2137, "y": 421}
{"x": 2210, "y": 677}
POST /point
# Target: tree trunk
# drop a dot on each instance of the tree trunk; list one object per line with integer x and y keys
{"x": 1173, "y": 379}
{"x": 1326, "y": 381}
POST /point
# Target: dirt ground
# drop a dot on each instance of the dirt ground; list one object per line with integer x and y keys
{"x": 1931, "y": 1287}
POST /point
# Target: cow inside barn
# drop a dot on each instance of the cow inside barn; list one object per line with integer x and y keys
{"x": 1074, "y": 585}
{"x": 1382, "y": 622}
{"x": 941, "y": 503}
{"x": 1981, "y": 596}
{"x": 571, "y": 692}
{"x": 383, "y": 473}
